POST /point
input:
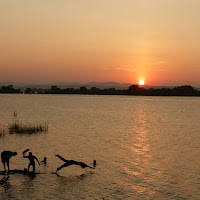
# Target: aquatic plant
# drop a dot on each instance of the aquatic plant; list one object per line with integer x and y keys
{"x": 17, "y": 127}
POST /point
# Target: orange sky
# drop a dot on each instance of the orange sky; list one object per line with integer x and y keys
{"x": 103, "y": 40}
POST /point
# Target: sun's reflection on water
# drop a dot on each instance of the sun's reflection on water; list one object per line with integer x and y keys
{"x": 141, "y": 146}
{"x": 141, "y": 163}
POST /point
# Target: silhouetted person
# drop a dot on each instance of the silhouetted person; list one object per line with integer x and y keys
{"x": 32, "y": 159}
{"x": 44, "y": 161}
{"x": 70, "y": 162}
{"x": 5, "y": 157}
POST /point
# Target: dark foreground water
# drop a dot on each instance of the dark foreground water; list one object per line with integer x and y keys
{"x": 145, "y": 147}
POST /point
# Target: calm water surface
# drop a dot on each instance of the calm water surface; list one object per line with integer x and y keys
{"x": 145, "y": 147}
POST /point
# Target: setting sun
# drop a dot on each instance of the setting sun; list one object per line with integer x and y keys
{"x": 141, "y": 82}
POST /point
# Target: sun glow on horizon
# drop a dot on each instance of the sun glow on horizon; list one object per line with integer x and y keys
{"x": 141, "y": 82}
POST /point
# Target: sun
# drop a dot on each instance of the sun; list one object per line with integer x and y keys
{"x": 141, "y": 82}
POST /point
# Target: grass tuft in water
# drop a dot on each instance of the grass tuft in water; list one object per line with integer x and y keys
{"x": 20, "y": 128}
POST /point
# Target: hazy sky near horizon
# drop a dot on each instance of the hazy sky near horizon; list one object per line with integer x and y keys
{"x": 47, "y": 41}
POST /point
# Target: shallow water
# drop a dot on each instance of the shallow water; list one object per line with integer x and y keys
{"x": 145, "y": 147}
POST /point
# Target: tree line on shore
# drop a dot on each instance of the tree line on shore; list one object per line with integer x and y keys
{"x": 185, "y": 90}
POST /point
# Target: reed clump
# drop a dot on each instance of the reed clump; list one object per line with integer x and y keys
{"x": 20, "y": 128}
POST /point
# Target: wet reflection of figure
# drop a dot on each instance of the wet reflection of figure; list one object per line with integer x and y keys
{"x": 5, "y": 157}
{"x": 71, "y": 162}
{"x": 4, "y": 179}
{"x": 32, "y": 159}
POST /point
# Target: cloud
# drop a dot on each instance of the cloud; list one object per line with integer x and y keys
{"x": 125, "y": 69}
{"x": 159, "y": 62}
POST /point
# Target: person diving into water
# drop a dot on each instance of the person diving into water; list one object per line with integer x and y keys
{"x": 71, "y": 162}
{"x": 32, "y": 159}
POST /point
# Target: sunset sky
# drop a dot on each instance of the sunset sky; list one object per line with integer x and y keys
{"x": 47, "y": 41}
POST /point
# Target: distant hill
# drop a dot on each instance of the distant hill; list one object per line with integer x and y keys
{"x": 76, "y": 85}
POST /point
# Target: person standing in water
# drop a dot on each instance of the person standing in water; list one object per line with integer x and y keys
{"x": 5, "y": 158}
{"x": 32, "y": 159}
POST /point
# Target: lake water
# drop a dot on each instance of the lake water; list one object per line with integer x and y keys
{"x": 145, "y": 147}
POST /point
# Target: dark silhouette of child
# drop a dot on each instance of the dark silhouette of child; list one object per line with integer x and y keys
{"x": 32, "y": 159}
{"x": 5, "y": 158}
{"x": 44, "y": 161}
{"x": 70, "y": 162}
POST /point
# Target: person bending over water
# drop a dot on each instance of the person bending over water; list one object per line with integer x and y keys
{"x": 5, "y": 158}
{"x": 32, "y": 159}
{"x": 70, "y": 162}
